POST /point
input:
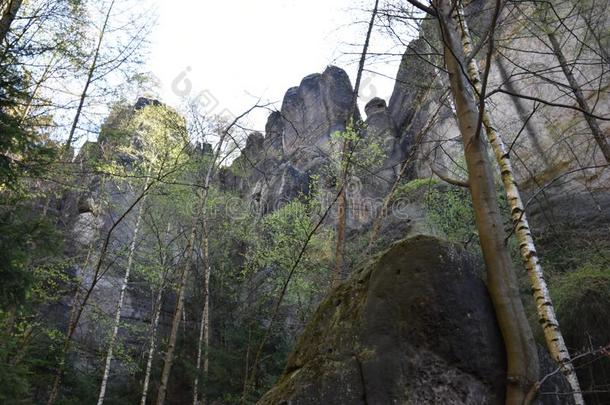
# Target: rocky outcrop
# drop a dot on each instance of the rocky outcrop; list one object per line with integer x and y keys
{"x": 414, "y": 327}
{"x": 380, "y": 125}
{"x": 314, "y": 110}
{"x": 413, "y": 90}
{"x": 276, "y": 168}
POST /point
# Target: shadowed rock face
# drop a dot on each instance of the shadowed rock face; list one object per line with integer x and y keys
{"x": 414, "y": 327}
{"x": 380, "y": 125}
{"x": 412, "y": 89}
{"x": 275, "y": 169}
{"x": 314, "y": 110}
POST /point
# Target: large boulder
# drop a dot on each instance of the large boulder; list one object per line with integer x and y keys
{"x": 415, "y": 326}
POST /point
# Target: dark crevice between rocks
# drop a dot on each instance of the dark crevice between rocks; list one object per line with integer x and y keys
{"x": 362, "y": 379}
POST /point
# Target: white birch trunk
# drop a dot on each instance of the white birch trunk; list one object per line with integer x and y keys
{"x": 204, "y": 332}
{"x": 154, "y": 327}
{"x": 119, "y": 307}
{"x": 546, "y": 312}
{"x": 522, "y": 359}
{"x": 204, "y": 328}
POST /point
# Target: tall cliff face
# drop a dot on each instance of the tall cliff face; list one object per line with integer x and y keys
{"x": 559, "y": 170}
{"x": 277, "y": 167}
{"x": 361, "y": 338}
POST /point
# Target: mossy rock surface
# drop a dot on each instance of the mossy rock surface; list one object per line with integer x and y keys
{"x": 415, "y": 326}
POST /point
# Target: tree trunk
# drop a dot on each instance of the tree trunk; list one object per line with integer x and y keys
{"x": 151, "y": 344}
{"x": 596, "y": 131}
{"x": 200, "y": 212}
{"x": 79, "y": 306}
{"x": 171, "y": 346}
{"x": 204, "y": 329}
{"x": 522, "y": 357}
{"x": 346, "y": 152}
{"x": 8, "y": 16}
{"x": 119, "y": 307}
{"x": 155, "y": 325}
{"x": 341, "y": 221}
{"x": 90, "y": 73}
{"x": 34, "y": 94}
{"x": 542, "y": 297}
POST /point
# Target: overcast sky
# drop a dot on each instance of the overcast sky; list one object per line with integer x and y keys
{"x": 237, "y": 51}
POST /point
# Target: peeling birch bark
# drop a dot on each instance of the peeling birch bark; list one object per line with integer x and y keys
{"x": 155, "y": 325}
{"x": 521, "y": 353}
{"x": 119, "y": 307}
{"x": 546, "y": 312}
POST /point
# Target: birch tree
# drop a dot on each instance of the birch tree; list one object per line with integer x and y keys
{"x": 542, "y": 297}
{"x": 204, "y": 329}
{"x": 163, "y": 247}
{"x": 119, "y": 305}
{"x": 522, "y": 357}
{"x": 156, "y": 140}
{"x": 166, "y": 131}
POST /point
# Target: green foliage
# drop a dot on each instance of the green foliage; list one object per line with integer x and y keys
{"x": 582, "y": 301}
{"x": 23, "y": 152}
{"x": 24, "y": 239}
{"x": 282, "y": 237}
{"x": 449, "y": 209}
{"x": 365, "y": 153}
{"x": 411, "y": 189}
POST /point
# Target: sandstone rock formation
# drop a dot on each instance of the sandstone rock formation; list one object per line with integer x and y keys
{"x": 415, "y": 326}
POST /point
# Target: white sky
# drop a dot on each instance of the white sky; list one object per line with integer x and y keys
{"x": 242, "y": 50}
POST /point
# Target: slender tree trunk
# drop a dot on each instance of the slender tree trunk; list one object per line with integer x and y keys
{"x": 586, "y": 15}
{"x": 152, "y": 344}
{"x": 542, "y": 297}
{"x": 34, "y": 94}
{"x": 341, "y": 222}
{"x": 169, "y": 356}
{"x": 346, "y": 152}
{"x": 171, "y": 346}
{"x": 119, "y": 307}
{"x": 155, "y": 325}
{"x": 522, "y": 357}
{"x": 204, "y": 330}
{"x": 90, "y": 74}
{"x": 80, "y": 305}
{"x": 8, "y": 16}
{"x": 596, "y": 131}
